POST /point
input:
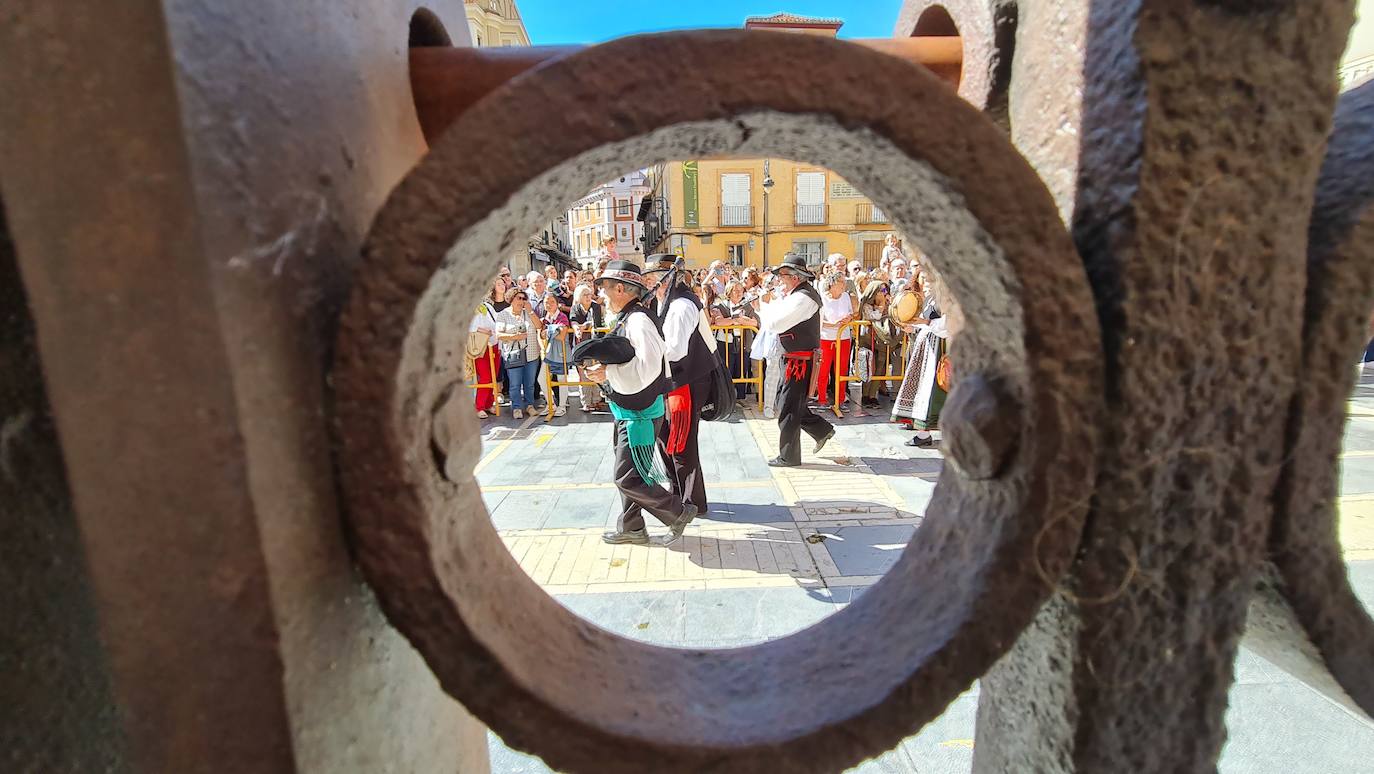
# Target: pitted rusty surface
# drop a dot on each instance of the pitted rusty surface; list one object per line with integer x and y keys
{"x": 1200, "y": 142}
{"x": 980, "y": 425}
{"x": 1340, "y": 299}
{"x": 983, "y": 561}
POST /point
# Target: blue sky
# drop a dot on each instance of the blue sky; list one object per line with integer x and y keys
{"x": 593, "y": 21}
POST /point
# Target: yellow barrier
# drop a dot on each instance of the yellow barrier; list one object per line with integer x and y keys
{"x": 495, "y": 386}
{"x": 549, "y": 383}
{"x": 842, "y": 381}
{"x": 756, "y": 379}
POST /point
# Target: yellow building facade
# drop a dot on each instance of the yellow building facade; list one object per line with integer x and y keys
{"x": 495, "y": 23}
{"x": 716, "y": 212}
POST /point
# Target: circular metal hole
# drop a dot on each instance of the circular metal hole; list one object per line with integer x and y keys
{"x": 426, "y": 31}
{"x": 989, "y": 550}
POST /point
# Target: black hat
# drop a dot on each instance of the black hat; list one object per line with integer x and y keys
{"x": 661, "y": 262}
{"x": 623, "y": 271}
{"x": 611, "y": 350}
{"x": 798, "y": 264}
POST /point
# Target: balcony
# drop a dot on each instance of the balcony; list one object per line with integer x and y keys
{"x": 812, "y": 214}
{"x": 736, "y": 215}
{"x": 869, "y": 213}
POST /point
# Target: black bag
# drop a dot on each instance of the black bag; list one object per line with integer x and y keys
{"x": 512, "y": 357}
{"x": 721, "y": 404}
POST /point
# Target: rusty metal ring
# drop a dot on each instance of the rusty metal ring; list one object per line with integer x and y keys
{"x": 977, "y": 570}
{"x": 1303, "y": 542}
{"x": 987, "y": 31}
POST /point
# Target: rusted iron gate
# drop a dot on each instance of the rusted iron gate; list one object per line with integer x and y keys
{"x": 187, "y": 204}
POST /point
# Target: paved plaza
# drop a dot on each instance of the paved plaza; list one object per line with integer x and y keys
{"x": 782, "y": 548}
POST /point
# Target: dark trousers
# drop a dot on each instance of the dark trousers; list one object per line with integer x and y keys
{"x": 793, "y": 414}
{"x": 687, "y": 465}
{"x": 733, "y": 365}
{"x": 635, "y": 495}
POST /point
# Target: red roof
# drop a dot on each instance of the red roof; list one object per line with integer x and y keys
{"x": 792, "y": 20}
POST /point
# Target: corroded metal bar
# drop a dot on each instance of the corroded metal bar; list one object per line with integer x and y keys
{"x": 445, "y": 81}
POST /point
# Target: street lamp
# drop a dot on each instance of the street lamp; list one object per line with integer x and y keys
{"x": 767, "y": 186}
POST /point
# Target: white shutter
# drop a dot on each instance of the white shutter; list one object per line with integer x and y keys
{"x": 810, "y": 198}
{"x": 810, "y": 188}
{"x": 734, "y": 200}
{"x": 734, "y": 190}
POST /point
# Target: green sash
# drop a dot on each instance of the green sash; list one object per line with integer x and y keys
{"x": 639, "y": 431}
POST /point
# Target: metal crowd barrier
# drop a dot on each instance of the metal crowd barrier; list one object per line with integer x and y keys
{"x": 842, "y": 380}
{"x": 756, "y": 379}
{"x": 549, "y": 382}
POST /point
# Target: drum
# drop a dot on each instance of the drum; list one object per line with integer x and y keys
{"x": 906, "y": 307}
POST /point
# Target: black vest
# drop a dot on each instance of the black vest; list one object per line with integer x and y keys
{"x": 805, "y": 336}
{"x": 699, "y": 360}
{"x": 644, "y": 398}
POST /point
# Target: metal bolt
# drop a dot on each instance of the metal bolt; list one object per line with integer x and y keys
{"x": 982, "y": 426}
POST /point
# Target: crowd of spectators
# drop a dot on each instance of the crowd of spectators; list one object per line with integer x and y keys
{"x": 522, "y": 333}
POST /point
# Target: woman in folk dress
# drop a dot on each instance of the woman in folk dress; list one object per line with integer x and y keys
{"x": 921, "y": 395}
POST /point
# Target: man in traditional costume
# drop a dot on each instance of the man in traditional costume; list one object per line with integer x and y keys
{"x": 692, "y": 361}
{"x": 635, "y": 380}
{"x": 796, "y": 319}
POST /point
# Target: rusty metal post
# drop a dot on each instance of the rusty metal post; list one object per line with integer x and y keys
{"x": 447, "y": 80}
{"x": 187, "y": 191}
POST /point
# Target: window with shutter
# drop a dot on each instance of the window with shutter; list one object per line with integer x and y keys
{"x": 810, "y": 198}
{"x": 734, "y": 200}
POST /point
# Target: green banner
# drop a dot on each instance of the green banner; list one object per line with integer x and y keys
{"x": 691, "y": 208}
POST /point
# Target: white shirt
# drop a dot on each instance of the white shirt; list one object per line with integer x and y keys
{"x": 485, "y": 322}
{"x": 507, "y": 322}
{"x": 832, "y": 311}
{"x": 682, "y": 319}
{"x": 651, "y": 357}
{"x": 779, "y": 316}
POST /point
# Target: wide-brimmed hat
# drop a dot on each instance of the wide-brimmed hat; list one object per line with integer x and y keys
{"x": 609, "y": 349}
{"x": 627, "y": 272}
{"x": 661, "y": 262}
{"x": 797, "y": 264}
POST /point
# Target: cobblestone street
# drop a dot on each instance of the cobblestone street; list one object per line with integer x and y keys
{"x": 782, "y": 548}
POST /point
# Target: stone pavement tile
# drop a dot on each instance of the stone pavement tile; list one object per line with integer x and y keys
{"x": 1252, "y": 669}
{"x": 914, "y": 492}
{"x": 1357, "y": 475}
{"x": 765, "y": 494}
{"x": 507, "y": 761}
{"x": 753, "y": 615}
{"x": 1356, "y": 524}
{"x": 925, "y": 468}
{"x": 658, "y": 617}
{"x": 1361, "y": 575}
{"x": 867, "y": 550}
{"x": 896, "y": 761}
{"x": 1292, "y": 729}
{"x": 739, "y": 513}
{"x": 493, "y": 500}
{"x": 580, "y": 508}
{"x": 523, "y": 510}
{"x": 946, "y": 743}
{"x": 1358, "y": 437}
